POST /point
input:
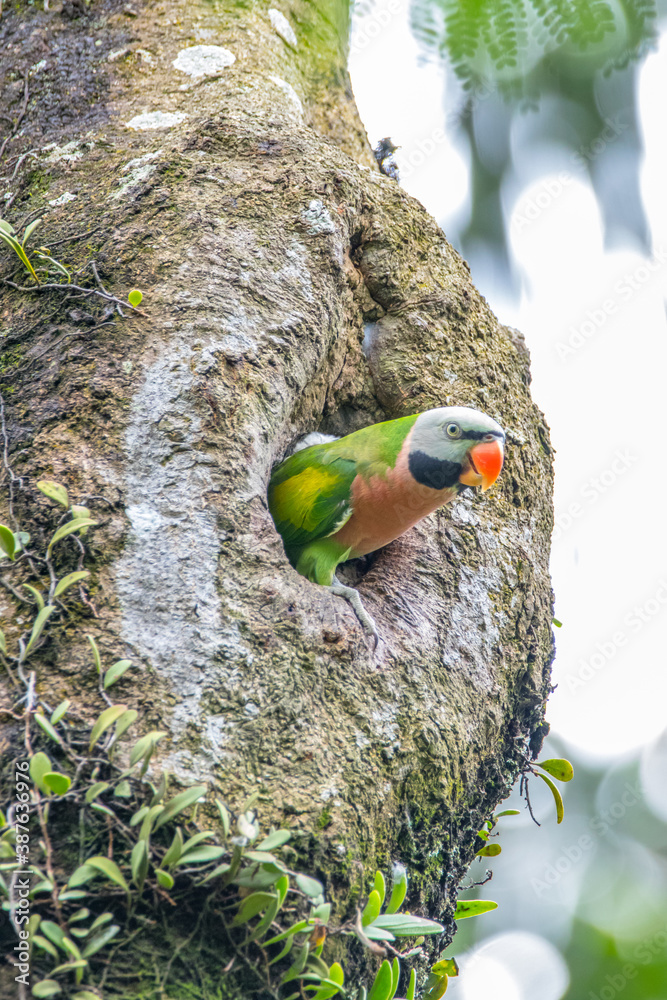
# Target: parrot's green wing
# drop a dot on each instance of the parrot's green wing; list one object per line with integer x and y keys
{"x": 310, "y": 492}
{"x": 309, "y": 495}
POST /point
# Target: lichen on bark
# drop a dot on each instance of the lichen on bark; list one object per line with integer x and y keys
{"x": 289, "y": 286}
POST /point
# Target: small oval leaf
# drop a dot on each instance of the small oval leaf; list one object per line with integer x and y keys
{"x": 473, "y": 908}
{"x": 557, "y": 767}
{"x": 54, "y": 491}
{"x": 57, "y": 783}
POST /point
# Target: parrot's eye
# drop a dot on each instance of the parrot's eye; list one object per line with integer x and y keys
{"x": 453, "y": 430}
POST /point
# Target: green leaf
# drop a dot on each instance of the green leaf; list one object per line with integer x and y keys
{"x": 41, "y": 942}
{"x": 108, "y": 868}
{"x": 54, "y": 491}
{"x": 380, "y": 887}
{"x": 489, "y": 851}
{"x": 251, "y": 906}
{"x": 264, "y": 924}
{"x": 201, "y": 855}
{"x": 399, "y": 889}
{"x": 139, "y": 863}
{"x": 321, "y": 912}
{"x": 310, "y": 886}
{"x": 7, "y": 227}
{"x": 53, "y": 933}
{"x": 47, "y": 988}
{"x": 145, "y": 746}
{"x": 95, "y": 790}
{"x": 557, "y": 623}
{"x": 40, "y": 622}
{"x": 558, "y": 799}
{"x": 412, "y": 985}
{"x": 164, "y": 879}
{"x": 44, "y": 724}
{"x": 445, "y": 967}
{"x": 100, "y": 940}
{"x": 78, "y": 963}
{"x": 175, "y": 850}
{"x": 60, "y": 711}
{"x": 126, "y": 720}
{"x": 3, "y": 642}
{"x": 85, "y": 995}
{"x": 19, "y": 251}
{"x": 473, "y": 908}
{"x": 224, "y": 817}
{"x": 181, "y": 802}
{"x": 336, "y": 976}
{"x": 149, "y": 818}
{"x": 96, "y": 654}
{"x": 81, "y": 875}
{"x": 68, "y": 894}
{"x": 298, "y": 965}
{"x": 135, "y": 297}
{"x": 29, "y": 230}
{"x": 57, "y": 783}
{"x": 372, "y": 908}
{"x": 197, "y": 839}
{"x": 508, "y": 812}
{"x": 39, "y": 766}
{"x": 557, "y": 767}
{"x": 39, "y": 600}
{"x": 123, "y": 790}
{"x": 436, "y": 987}
{"x": 105, "y": 721}
{"x": 275, "y": 839}
{"x": 79, "y": 915}
{"x": 405, "y": 925}
{"x": 100, "y": 921}
{"x": 264, "y": 857}
{"x": 395, "y": 976}
{"x": 67, "y": 529}
{"x": 295, "y": 929}
{"x": 7, "y": 541}
{"x": 377, "y": 933}
{"x": 69, "y": 580}
{"x": 116, "y": 671}
{"x": 381, "y": 988}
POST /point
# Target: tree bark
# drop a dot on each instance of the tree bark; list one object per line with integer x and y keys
{"x": 288, "y": 286}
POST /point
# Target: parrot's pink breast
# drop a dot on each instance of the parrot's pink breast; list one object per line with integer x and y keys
{"x": 386, "y": 506}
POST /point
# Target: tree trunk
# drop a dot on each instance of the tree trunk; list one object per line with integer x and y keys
{"x": 288, "y": 286}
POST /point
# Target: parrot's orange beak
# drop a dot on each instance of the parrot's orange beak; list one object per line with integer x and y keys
{"x": 486, "y": 462}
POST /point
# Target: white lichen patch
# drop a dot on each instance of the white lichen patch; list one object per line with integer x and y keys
{"x": 63, "y": 199}
{"x": 38, "y": 67}
{"x": 317, "y": 218}
{"x": 294, "y": 105}
{"x": 140, "y": 169}
{"x": 69, "y": 153}
{"x": 118, "y": 53}
{"x": 156, "y": 119}
{"x": 283, "y": 27}
{"x": 204, "y": 60}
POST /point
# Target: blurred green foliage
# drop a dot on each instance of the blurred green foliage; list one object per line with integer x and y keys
{"x": 527, "y": 76}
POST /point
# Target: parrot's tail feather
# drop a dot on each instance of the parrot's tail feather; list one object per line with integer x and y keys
{"x": 317, "y": 561}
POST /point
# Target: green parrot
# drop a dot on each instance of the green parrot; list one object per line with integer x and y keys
{"x": 339, "y": 498}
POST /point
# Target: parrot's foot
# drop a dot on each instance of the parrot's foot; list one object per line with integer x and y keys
{"x": 353, "y": 596}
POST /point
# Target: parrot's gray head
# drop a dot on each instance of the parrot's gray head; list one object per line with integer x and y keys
{"x": 456, "y": 445}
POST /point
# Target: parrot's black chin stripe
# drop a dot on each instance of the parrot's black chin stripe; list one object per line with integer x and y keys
{"x": 438, "y": 474}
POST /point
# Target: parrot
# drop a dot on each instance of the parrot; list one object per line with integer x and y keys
{"x": 335, "y": 499}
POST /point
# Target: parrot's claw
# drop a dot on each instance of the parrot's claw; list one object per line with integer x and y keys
{"x": 353, "y": 596}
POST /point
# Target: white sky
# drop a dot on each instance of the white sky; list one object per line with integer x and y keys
{"x": 595, "y": 324}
